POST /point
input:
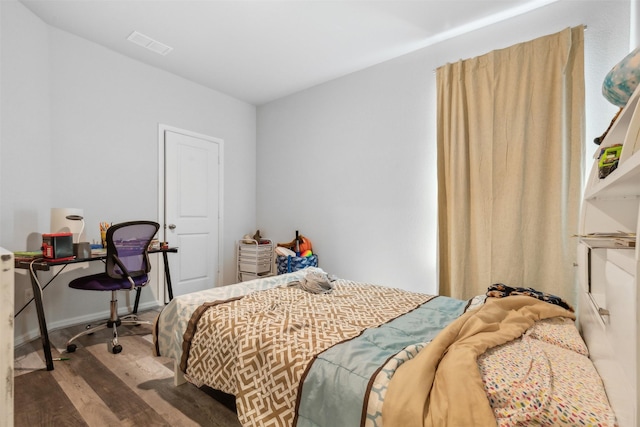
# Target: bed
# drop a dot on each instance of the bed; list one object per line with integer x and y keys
{"x": 357, "y": 354}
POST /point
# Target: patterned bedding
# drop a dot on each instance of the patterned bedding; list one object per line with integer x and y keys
{"x": 287, "y": 372}
{"x": 545, "y": 378}
{"x": 265, "y": 342}
{"x": 172, "y": 322}
{"x": 361, "y": 368}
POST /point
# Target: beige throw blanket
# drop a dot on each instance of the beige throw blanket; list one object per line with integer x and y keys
{"x": 442, "y": 385}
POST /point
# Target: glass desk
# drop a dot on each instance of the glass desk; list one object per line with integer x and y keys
{"x": 41, "y": 265}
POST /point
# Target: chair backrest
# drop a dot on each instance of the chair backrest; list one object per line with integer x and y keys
{"x": 129, "y": 242}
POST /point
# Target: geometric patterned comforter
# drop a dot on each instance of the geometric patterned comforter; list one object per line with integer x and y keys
{"x": 343, "y": 385}
{"x": 346, "y": 384}
{"x": 172, "y": 322}
{"x": 258, "y": 347}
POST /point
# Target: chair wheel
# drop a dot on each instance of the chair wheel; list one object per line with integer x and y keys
{"x": 71, "y": 348}
{"x": 117, "y": 349}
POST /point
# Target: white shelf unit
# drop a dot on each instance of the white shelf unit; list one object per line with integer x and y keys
{"x": 6, "y": 348}
{"x": 254, "y": 259}
{"x": 608, "y": 273}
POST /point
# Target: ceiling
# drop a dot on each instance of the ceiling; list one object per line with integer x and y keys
{"x": 261, "y": 50}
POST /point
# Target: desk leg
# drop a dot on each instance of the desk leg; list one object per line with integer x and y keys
{"x": 135, "y": 306}
{"x": 167, "y": 275}
{"x": 44, "y": 334}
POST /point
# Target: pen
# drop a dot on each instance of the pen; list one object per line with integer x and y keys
{"x": 60, "y": 358}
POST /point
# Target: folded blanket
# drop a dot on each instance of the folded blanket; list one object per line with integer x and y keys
{"x": 442, "y": 385}
{"x": 314, "y": 282}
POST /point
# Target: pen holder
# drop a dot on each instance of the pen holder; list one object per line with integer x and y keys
{"x": 82, "y": 250}
{"x": 103, "y": 233}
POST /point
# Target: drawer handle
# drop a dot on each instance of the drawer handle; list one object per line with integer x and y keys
{"x": 603, "y": 312}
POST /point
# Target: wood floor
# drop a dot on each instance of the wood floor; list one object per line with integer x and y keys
{"x": 97, "y": 388}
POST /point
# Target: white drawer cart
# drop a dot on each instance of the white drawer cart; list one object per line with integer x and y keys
{"x": 608, "y": 272}
{"x": 254, "y": 259}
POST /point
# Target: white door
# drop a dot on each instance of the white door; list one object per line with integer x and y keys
{"x": 192, "y": 206}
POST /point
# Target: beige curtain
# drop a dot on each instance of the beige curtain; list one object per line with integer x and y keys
{"x": 510, "y": 150}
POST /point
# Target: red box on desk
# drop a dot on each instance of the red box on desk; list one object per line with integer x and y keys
{"x": 57, "y": 246}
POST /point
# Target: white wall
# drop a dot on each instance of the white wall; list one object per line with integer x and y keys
{"x": 105, "y": 114}
{"x": 80, "y": 129}
{"x": 351, "y": 163}
{"x": 25, "y": 140}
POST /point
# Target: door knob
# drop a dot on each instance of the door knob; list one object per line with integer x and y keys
{"x": 172, "y": 226}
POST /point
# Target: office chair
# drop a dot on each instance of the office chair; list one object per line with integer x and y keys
{"x": 126, "y": 268}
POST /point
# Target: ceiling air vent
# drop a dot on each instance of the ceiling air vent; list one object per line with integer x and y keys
{"x": 149, "y": 43}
